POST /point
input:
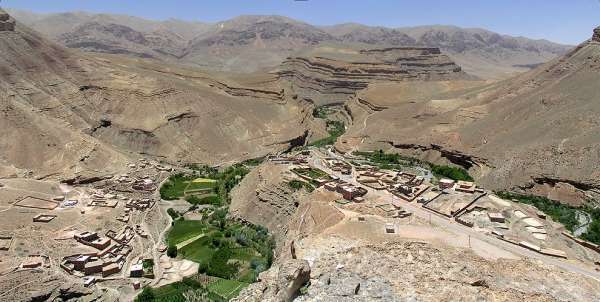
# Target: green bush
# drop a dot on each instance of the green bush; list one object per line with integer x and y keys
{"x": 219, "y": 266}
{"x": 174, "y": 188}
{"x": 174, "y": 214}
{"x": 451, "y": 172}
{"x": 593, "y": 232}
{"x": 172, "y": 251}
{"x": 147, "y": 295}
{"x": 298, "y": 184}
{"x": 559, "y": 212}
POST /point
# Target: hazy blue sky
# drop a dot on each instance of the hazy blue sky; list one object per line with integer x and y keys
{"x": 566, "y": 21}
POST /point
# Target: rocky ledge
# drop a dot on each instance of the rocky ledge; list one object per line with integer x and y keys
{"x": 330, "y": 78}
{"x": 6, "y": 22}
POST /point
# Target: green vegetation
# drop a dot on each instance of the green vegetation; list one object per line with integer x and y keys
{"x": 593, "y": 232}
{"x": 174, "y": 188}
{"x": 313, "y": 173}
{"x": 201, "y": 184}
{"x": 228, "y": 289}
{"x": 174, "y": 214}
{"x": 253, "y": 162}
{"x": 559, "y": 212}
{"x": 229, "y": 252}
{"x": 148, "y": 265}
{"x": 172, "y": 251}
{"x": 335, "y": 130}
{"x": 563, "y": 213}
{"x": 183, "y": 230}
{"x": 298, "y": 184}
{"x": 322, "y": 112}
{"x": 213, "y": 199}
{"x": 174, "y": 292}
{"x": 199, "y": 251}
{"x": 391, "y": 161}
{"x": 451, "y": 172}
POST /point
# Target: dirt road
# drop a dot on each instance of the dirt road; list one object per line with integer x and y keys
{"x": 462, "y": 231}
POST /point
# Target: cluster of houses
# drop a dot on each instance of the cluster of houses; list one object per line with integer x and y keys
{"x": 102, "y": 199}
{"x": 405, "y": 185}
{"x": 108, "y": 260}
{"x": 349, "y": 192}
{"x": 339, "y": 166}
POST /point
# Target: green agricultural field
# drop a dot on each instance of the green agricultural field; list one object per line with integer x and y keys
{"x": 174, "y": 188}
{"x": 201, "y": 199}
{"x": 183, "y": 230}
{"x": 199, "y": 251}
{"x": 201, "y": 184}
{"x": 224, "y": 248}
{"x": 298, "y": 184}
{"x": 227, "y": 289}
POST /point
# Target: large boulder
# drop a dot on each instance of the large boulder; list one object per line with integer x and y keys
{"x": 293, "y": 274}
{"x": 596, "y": 36}
{"x": 281, "y": 283}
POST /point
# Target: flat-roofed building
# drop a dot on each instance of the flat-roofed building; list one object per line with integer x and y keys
{"x": 110, "y": 269}
{"x": 93, "y": 267}
{"x": 496, "y": 217}
{"x": 465, "y": 186}
{"x": 136, "y": 270}
{"x": 446, "y": 183}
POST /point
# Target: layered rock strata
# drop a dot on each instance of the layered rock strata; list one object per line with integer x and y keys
{"x": 330, "y": 79}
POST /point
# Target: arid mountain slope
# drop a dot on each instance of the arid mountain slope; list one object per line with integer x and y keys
{"x": 536, "y": 132}
{"x": 250, "y": 43}
{"x": 480, "y": 52}
{"x": 328, "y": 75}
{"x": 64, "y": 112}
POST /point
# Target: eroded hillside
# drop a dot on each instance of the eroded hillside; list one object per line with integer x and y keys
{"x": 79, "y": 112}
{"x": 535, "y": 132}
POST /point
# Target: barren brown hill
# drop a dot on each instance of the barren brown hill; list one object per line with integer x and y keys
{"x": 537, "y": 132}
{"x": 65, "y": 112}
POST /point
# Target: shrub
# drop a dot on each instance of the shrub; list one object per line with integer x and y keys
{"x": 219, "y": 266}
{"x": 174, "y": 214}
{"x": 203, "y": 268}
{"x": 147, "y": 295}
{"x": 172, "y": 251}
{"x": 451, "y": 172}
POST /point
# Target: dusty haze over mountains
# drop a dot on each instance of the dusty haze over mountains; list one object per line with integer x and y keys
{"x": 250, "y": 43}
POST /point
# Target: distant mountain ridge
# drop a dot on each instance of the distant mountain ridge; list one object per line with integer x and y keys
{"x": 250, "y": 43}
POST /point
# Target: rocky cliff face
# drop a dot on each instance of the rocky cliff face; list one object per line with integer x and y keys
{"x": 6, "y": 22}
{"x": 330, "y": 79}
